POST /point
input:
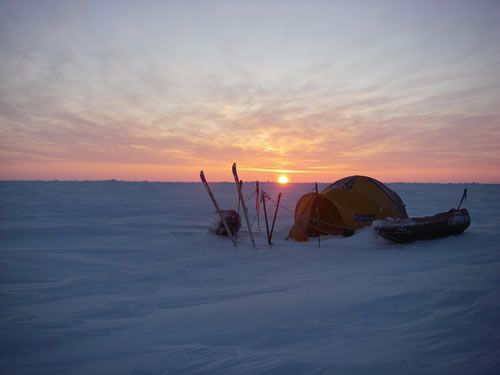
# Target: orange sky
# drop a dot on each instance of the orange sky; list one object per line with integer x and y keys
{"x": 158, "y": 92}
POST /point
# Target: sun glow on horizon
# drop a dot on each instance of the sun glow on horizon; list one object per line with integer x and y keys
{"x": 283, "y": 179}
{"x": 212, "y": 98}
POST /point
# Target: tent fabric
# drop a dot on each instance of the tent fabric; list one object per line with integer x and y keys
{"x": 348, "y": 204}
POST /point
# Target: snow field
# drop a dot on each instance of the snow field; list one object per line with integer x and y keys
{"x": 124, "y": 277}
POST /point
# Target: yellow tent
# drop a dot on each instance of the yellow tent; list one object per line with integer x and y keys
{"x": 345, "y": 206}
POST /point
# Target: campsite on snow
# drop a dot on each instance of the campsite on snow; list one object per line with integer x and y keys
{"x": 343, "y": 207}
{"x": 121, "y": 277}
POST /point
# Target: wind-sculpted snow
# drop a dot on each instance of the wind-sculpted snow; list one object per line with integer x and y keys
{"x": 115, "y": 277}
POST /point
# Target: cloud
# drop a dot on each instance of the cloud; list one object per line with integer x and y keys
{"x": 170, "y": 98}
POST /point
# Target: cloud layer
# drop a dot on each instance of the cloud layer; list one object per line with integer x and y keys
{"x": 160, "y": 91}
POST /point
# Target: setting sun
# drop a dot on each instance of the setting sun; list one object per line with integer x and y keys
{"x": 283, "y": 179}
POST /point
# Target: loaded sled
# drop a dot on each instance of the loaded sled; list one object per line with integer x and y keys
{"x": 443, "y": 224}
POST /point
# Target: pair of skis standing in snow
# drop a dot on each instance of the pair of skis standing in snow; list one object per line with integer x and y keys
{"x": 245, "y": 210}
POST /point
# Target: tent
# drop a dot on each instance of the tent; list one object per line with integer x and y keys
{"x": 349, "y": 204}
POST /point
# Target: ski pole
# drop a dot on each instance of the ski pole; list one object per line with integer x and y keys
{"x": 274, "y": 218}
{"x": 265, "y": 216}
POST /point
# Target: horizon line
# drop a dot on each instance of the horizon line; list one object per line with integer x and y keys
{"x": 232, "y": 182}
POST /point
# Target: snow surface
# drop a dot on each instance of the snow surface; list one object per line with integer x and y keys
{"x": 115, "y": 277}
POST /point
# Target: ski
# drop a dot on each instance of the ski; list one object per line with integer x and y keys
{"x": 212, "y": 198}
{"x": 239, "y": 205}
{"x": 245, "y": 210}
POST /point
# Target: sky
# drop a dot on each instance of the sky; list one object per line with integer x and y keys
{"x": 157, "y": 90}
